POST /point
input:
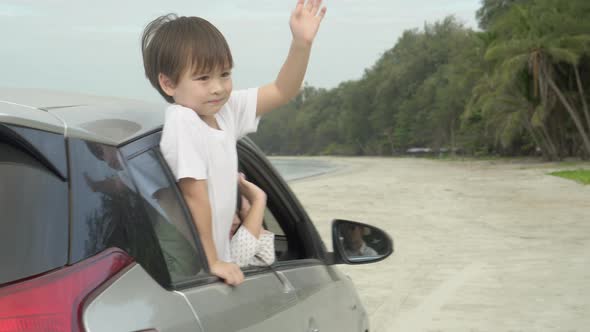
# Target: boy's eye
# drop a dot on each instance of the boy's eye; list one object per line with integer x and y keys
{"x": 202, "y": 78}
{"x": 226, "y": 74}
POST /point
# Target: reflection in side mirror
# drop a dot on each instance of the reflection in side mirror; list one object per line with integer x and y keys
{"x": 357, "y": 243}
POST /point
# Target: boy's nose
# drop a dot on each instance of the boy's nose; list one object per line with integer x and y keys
{"x": 216, "y": 86}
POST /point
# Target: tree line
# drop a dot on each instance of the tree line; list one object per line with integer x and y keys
{"x": 517, "y": 86}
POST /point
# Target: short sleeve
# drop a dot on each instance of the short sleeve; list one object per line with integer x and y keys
{"x": 183, "y": 145}
{"x": 265, "y": 252}
{"x": 242, "y": 105}
{"x": 243, "y": 246}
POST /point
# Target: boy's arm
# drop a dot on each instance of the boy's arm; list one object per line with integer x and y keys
{"x": 197, "y": 198}
{"x": 305, "y": 22}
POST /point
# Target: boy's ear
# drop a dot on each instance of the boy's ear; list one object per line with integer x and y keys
{"x": 166, "y": 84}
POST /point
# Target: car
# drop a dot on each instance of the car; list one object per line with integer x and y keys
{"x": 95, "y": 235}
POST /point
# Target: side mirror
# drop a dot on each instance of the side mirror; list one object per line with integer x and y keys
{"x": 357, "y": 243}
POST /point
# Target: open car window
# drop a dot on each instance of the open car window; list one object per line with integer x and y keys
{"x": 294, "y": 240}
{"x": 170, "y": 217}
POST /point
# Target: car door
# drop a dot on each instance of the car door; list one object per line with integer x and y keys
{"x": 265, "y": 301}
{"x": 327, "y": 298}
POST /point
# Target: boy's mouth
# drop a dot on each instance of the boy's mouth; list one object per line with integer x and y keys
{"x": 215, "y": 101}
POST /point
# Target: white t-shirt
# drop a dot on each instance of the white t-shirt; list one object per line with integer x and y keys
{"x": 195, "y": 150}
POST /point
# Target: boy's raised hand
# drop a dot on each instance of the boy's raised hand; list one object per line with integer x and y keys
{"x": 305, "y": 20}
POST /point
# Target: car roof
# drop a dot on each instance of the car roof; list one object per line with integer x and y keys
{"x": 107, "y": 120}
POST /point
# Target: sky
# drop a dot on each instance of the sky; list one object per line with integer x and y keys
{"x": 94, "y": 46}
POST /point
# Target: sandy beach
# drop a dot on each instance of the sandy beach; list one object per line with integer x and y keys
{"x": 479, "y": 245}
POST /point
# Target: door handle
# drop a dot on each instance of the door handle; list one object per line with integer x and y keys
{"x": 287, "y": 286}
{"x": 312, "y": 326}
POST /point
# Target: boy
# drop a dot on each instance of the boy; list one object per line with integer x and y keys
{"x": 189, "y": 62}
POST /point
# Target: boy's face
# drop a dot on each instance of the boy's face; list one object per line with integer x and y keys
{"x": 205, "y": 92}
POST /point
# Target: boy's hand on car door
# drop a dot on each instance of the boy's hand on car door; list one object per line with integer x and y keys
{"x": 229, "y": 272}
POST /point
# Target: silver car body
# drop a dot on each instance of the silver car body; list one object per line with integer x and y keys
{"x": 307, "y": 295}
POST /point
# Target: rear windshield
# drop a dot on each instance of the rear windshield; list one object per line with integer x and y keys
{"x": 34, "y": 216}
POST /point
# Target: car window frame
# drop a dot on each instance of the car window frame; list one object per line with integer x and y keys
{"x": 150, "y": 142}
{"x": 282, "y": 196}
{"x": 284, "y": 203}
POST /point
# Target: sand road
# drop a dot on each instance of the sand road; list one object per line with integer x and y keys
{"x": 479, "y": 245}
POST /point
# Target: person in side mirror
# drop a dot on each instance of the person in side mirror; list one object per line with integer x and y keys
{"x": 187, "y": 60}
{"x": 354, "y": 244}
{"x": 250, "y": 243}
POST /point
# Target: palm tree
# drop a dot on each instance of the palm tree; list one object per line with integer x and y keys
{"x": 539, "y": 44}
{"x": 490, "y": 10}
{"x": 507, "y": 113}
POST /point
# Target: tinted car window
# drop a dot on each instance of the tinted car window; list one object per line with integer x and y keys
{"x": 107, "y": 211}
{"x": 34, "y": 228}
{"x": 50, "y": 145}
{"x": 171, "y": 225}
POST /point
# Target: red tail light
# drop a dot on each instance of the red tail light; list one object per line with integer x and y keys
{"x": 53, "y": 301}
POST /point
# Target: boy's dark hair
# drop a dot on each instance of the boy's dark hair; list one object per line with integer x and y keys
{"x": 170, "y": 45}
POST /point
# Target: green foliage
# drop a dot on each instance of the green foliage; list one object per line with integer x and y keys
{"x": 492, "y": 9}
{"x": 510, "y": 89}
{"x": 581, "y": 175}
